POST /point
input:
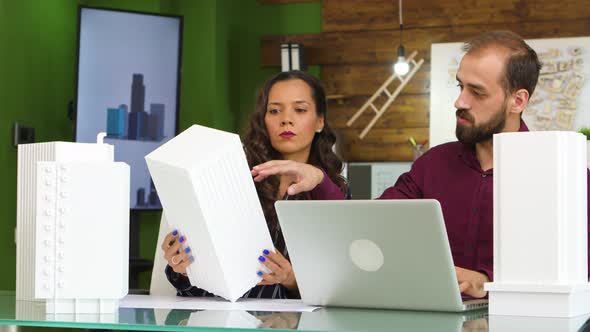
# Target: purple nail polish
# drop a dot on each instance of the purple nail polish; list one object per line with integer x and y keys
{"x": 259, "y": 273}
{"x": 261, "y": 258}
{"x": 266, "y": 252}
{"x": 181, "y": 239}
{"x": 187, "y": 250}
{"x": 175, "y": 233}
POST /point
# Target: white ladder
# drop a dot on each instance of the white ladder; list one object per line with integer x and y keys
{"x": 391, "y": 96}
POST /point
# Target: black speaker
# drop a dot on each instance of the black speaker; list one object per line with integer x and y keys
{"x": 22, "y": 134}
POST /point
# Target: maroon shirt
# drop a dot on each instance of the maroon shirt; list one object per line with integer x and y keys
{"x": 451, "y": 174}
{"x": 326, "y": 190}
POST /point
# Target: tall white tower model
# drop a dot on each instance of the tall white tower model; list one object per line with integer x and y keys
{"x": 72, "y": 234}
{"x": 540, "y": 225}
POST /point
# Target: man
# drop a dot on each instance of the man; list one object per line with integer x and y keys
{"x": 497, "y": 77}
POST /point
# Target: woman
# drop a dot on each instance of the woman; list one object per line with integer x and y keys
{"x": 288, "y": 132}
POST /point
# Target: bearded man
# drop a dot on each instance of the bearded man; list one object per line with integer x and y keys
{"x": 497, "y": 77}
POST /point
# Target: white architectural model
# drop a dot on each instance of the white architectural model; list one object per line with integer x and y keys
{"x": 236, "y": 319}
{"x": 37, "y": 310}
{"x": 72, "y": 227}
{"x": 208, "y": 195}
{"x": 540, "y": 225}
{"x": 499, "y": 323}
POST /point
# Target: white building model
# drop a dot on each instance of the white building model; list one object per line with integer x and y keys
{"x": 72, "y": 231}
{"x": 208, "y": 195}
{"x": 540, "y": 225}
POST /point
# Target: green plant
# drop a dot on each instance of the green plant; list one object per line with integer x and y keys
{"x": 586, "y": 132}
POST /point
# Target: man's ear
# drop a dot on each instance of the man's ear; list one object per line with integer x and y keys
{"x": 520, "y": 100}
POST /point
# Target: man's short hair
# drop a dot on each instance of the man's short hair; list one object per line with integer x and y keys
{"x": 522, "y": 64}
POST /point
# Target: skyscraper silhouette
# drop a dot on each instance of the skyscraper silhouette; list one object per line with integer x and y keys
{"x": 140, "y": 196}
{"x": 156, "y": 122}
{"x": 115, "y": 122}
{"x": 153, "y": 198}
{"x": 137, "y": 117}
{"x": 125, "y": 109}
{"x": 136, "y": 124}
{"x": 137, "y": 93}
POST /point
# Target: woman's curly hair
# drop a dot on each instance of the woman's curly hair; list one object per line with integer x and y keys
{"x": 259, "y": 150}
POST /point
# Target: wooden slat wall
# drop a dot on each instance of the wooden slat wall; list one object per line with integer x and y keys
{"x": 359, "y": 44}
{"x": 274, "y": 2}
{"x": 354, "y": 15}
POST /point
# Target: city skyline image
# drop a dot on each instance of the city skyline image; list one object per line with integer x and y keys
{"x": 137, "y": 124}
{"x": 134, "y": 123}
{"x": 128, "y": 81}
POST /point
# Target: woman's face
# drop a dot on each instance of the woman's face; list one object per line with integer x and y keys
{"x": 291, "y": 119}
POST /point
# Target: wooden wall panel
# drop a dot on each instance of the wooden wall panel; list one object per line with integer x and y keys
{"x": 380, "y": 144}
{"x": 371, "y": 47}
{"x": 363, "y": 80}
{"x": 359, "y": 43}
{"x": 274, "y": 2}
{"x": 386, "y": 141}
{"x": 350, "y": 15}
{"x": 407, "y": 111}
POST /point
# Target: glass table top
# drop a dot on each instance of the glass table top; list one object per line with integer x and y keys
{"x": 25, "y": 313}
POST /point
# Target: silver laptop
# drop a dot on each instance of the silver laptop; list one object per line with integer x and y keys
{"x": 391, "y": 254}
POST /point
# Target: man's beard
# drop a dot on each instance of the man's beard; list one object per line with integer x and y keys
{"x": 472, "y": 135}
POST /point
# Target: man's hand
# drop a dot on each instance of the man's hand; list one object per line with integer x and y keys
{"x": 304, "y": 177}
{"x": 471, "y": 282}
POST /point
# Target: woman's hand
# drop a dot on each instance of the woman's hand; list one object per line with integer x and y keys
{"x": 280, "y": 268}
{"x": 304, "y": 177}
{"x": 279, "y": 320}
{"x": 178, "y": 258}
